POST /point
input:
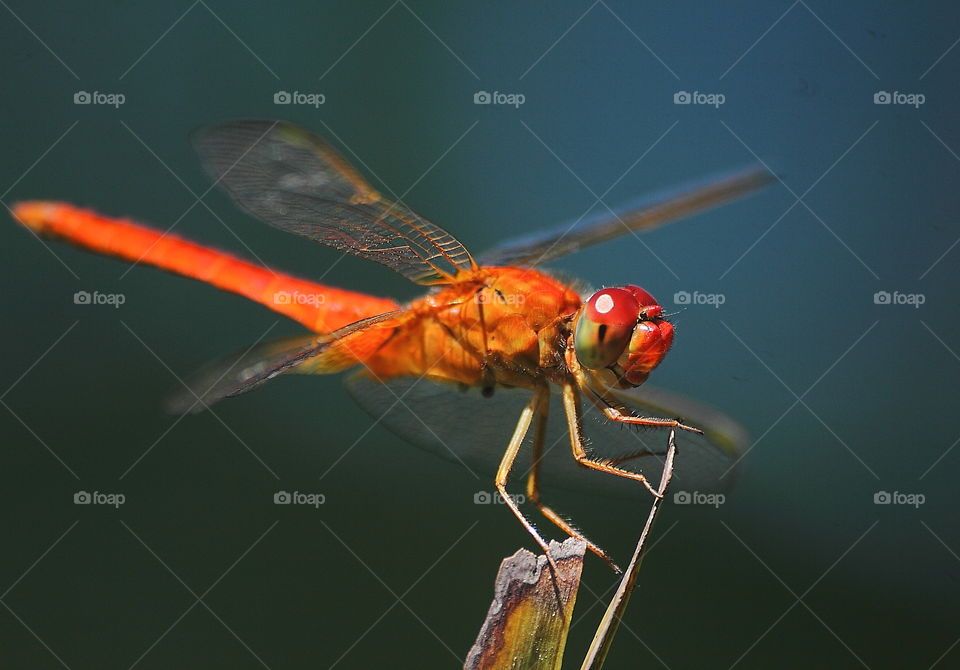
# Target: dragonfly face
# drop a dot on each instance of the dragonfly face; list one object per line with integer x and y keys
{"x": 621, "y": 335}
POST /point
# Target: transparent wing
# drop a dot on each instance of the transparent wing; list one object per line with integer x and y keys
{"x": 472, "y": 430}
{"x": 641, "y": 216}
{"x": 293, "y": 180}
{"x": 252, "y": 367}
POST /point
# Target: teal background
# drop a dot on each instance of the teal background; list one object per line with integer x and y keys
{"x": 96, "y": 587}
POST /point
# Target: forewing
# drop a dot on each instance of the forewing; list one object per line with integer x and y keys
{"x": 250, "y": 368}
{"x": 641, "y": 216}
{"x": 467, "y": 428}
{"x": 295, "y": 181}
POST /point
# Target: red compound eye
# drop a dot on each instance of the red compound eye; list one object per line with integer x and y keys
{"x": 648, "y": 304}
{"x": 605, "y": 326}
{"x": 643, "y": 296}
{"x": 614, "y": 307}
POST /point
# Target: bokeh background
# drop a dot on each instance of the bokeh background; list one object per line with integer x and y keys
{"x": 844, "y": 397}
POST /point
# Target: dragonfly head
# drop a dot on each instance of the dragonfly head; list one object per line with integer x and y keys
{"x": 622, "y": 330}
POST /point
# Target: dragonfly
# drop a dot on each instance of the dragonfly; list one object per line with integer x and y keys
{"x": 481, "y": 358}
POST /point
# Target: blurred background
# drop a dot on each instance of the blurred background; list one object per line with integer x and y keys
{"x": 835, "y": 340}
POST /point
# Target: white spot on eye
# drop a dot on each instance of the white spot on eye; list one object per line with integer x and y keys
{"x": 604, "y": 303}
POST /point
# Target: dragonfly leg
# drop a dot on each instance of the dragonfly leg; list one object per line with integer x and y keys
{"x": 506, "y": 464}
{"x": 571, "y": 405}
{"x": 617, "y": 415}
{"x": 533, "y": 487}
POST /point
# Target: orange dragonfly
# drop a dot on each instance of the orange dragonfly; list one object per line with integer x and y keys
{"x": 488, "y": 349}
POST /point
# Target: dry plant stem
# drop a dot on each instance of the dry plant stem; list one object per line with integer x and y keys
{"x": 525, "y": 629}
{"x": 603, "y": 638}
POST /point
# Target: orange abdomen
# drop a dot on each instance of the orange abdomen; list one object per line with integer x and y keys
{"x": 318, "y": 307}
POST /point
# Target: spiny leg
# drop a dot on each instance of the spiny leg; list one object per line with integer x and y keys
{"x": 533, "y": 487}
{"x": 617, "y": 415}
{"x": 506, "y": 464}
{"x": 571, "y": 405}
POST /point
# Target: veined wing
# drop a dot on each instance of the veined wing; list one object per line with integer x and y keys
{"x": 293, "y": 180}
{"x": 643, "y": 215}
{"x": 472, "y": 430}
{"x": 249, "y": 368}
